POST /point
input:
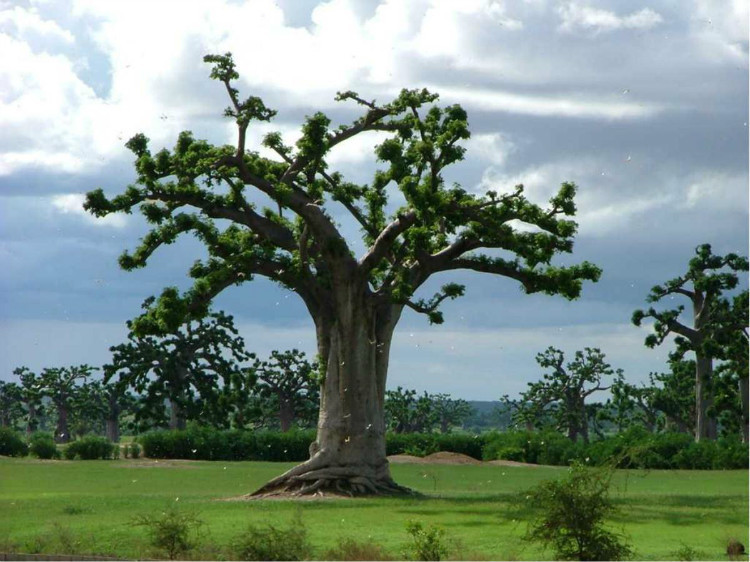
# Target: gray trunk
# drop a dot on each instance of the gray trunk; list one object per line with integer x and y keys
{"x": 286, "y": 414}
{"x": 348, "y": 455}
{"x": 113, "y": 430}
{"x": 176, "y": 416}
{"x": 705, "y": 424}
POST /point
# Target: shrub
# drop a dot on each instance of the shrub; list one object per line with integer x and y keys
{"x": 11, "y": 443}
{"x": 171, "y": 531}
{"x": 351, "y": 549}
{"x": 205, "y": 443}
{"x": 90, "y": 447}
{"x": 426, "y": 543}
{"x": 274, "y": 543}
{"x": 570, "y": 516}
{"x": 422, "y": 444}
{"x": 42, "y": 445}
{"x": 134, "y": 450}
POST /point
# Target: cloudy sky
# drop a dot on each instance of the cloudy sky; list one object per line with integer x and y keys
{"x": 643, "y": 105}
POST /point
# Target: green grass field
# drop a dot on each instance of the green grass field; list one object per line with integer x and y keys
{"x": 87, "y": 507}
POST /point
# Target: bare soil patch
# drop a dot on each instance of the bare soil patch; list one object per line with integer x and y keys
{"x": 153, "y": 463}
{"x": 445, "y": 457}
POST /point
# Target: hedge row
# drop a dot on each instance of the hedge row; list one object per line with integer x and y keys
{"x": 229, "y": 445}
{"x": 635, "y": 448}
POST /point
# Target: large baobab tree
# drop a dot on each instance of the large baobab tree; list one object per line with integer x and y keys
{"x": 707, "y": 278}
{"x": 355, "y": 303}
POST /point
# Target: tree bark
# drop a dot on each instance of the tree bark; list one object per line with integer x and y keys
{"x": 348, "y": 456}
{"x": 176, "y": 415}
{"x": 31, "y": 422}
{"x": 62, "y": 433}
{"x": 286, "y": 413}
{"x": 745, "y": 422}
{"x": 705, "y": 424}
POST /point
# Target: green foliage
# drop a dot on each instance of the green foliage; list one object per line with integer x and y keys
{"x": 172, "y": 531}
{"x": 421, "y": 444}
{"x": 184, "y": 367}
{"x": 12, "y": 444}
{"x": 407, "y": 412}
{"x": 543, "y": 447}
{"x": 440, "y": 228}
{"x": 353, "y": 549}
{"x": 427, "y": 543}
{"x": 563, "y": 390}
{"x": 133, "y": 450}
{"x": 205, "y": 443}
{"x": 687, "y": 553}
{"x": 90, "y": 447}
{"x": 633, "y": 448}
{"x": 42, "y": 445}
{"x": 271, "y": 542}
{"x": 570, "y": 516}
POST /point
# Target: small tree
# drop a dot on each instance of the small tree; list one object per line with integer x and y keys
{"x": 61, "y": 385}
{"x": 571, "y": 513}
{"x": 183, "y": 368}
{"x": 449, "y": 412}
{"x": 633, "y": 404}
{"x": 296, "y": 242}
{"x": 707, "y": 278}
{"x": 292, "y": 383}
{"x": 406, "y": 412}
{"x": 31, "y": 396}
{"x": 11, "y": 408}
{"x": 562, "y": 392}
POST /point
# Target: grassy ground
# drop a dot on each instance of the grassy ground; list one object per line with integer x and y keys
{"x": 88, "y": 506}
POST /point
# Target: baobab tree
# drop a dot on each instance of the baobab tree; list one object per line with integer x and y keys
{"x": 563, "y": 390}
{"x": 182, "y": 366}
{"x": 707, "y": 278}
{"x": 355, "y": 303}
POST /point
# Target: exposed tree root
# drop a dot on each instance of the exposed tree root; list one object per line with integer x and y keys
{"x": 314, "y": 477}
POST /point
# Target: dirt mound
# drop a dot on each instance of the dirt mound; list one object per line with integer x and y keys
{"x": 512, "y": 463}
{"x": 405, "y": 459}
{"x": 442, "y": 457}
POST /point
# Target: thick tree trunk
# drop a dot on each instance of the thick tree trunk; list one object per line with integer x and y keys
{"x": 286, "y": 414}
{"x": 348, "y": 456}
{"x": 176, "y": 415}
{"x": 744, "y": 423}
{"x": 705, "y": 424}
{"x": 113, "y": 430}
{"x": 62, "y": 433}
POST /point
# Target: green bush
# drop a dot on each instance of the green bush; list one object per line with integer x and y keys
{"x": 204, "y": 443}
{"x": 422, "y": 444}
{"x": 42, "y": 445}
{"x": 570, "y": 514}
{"x": 134, "y": 450}
{"x": 12, "y": 444}
{"x": 634, "y": 448}
{"x": 273, "y": 543}
{"x": 90, "y": 447}
{"x": 427, "y": 543}
{"x": 351, "y": 549}
{"x": 173, "y": 532}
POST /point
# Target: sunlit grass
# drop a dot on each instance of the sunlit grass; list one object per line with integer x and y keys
{"x": 88, "y": 506}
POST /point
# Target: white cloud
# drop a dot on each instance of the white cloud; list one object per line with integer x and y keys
{"x": 28, "y": 24}
{"x": 565, "y": 106}
{"x": 721, "y": 28}
{"x": 717, "y": 191}
{"x": 577, "y": 15}
{"x": 492, "y": 147}
{"x": 72, "y": 204}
